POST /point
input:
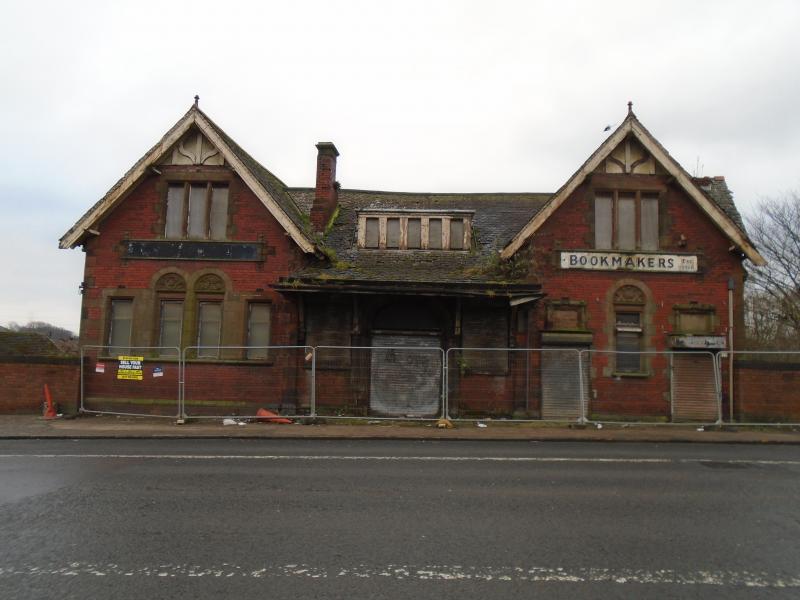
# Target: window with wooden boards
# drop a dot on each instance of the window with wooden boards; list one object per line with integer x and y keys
{"x": 626, "y": 221}
{"x": 414, "y": 232}
{"x": 197, "y": 211}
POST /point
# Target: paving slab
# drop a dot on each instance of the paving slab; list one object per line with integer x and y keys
{"x": 31, "y": 426}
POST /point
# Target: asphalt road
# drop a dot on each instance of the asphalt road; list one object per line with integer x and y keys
{"x": 373, "y": 519}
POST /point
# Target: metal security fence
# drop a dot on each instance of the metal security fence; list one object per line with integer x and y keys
{"x": 130, "y": 380}
{"x": 653, "y": 387}
{"x": 543, "y": 384}
{"x": 380, "y": 381}
{"x": 764, "y": 386}
{"x": 237, "y": 381}
{"x": 411, "y": 377}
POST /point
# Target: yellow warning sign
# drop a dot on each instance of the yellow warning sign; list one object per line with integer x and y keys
{"x": 130, "y": 367}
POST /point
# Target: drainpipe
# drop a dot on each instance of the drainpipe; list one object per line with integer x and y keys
{"x": 730, "y": 347}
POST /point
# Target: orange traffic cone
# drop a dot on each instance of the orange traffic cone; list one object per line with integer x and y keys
{"x": 49, "y": 407}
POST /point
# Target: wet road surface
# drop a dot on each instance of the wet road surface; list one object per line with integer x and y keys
{"x": 374, "y": 519}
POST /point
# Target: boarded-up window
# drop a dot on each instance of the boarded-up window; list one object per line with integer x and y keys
{"x": 435, "y": 234}
{"x": 456, "y": 234}
{"x": 626, "y": 222}
{"x": 629, "y": 339}
{"x": 485, "y": 327}
{"x": 565, "y": 318}
{"x": 603, "y": 210}
{"x": 119, "y": 331}
{"x": 649, "y": 227}
{"x": 414, "y": 233}
{"x": 198, "y": 212}
{"x": 170, "y": 327}
{"x": 209, "y": 329}
{"x": 329, "y": 324}
{"x": 207, "y": 209}
{"x": 219, "y": 212}
{"x": 174, "y": 228}
{"x": 258, "y": 323}
{"x": 372, "y": 234}
{"x": 697, "y": 322}
{"x": 392, "y": 233}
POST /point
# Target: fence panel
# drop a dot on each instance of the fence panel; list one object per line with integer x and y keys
{"x": 652, "y": 387}
{"x": 381, "y": 381}
{"x": 130, "y": 381}
{"x": 520, "y": 383}
{"x": 235, "y": 381}
{"x": 766, "y": 387}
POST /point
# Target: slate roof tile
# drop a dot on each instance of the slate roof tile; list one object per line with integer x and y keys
{"x": 496, "y": 218}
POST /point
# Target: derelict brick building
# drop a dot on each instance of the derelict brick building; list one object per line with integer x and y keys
{"x": 200, "y": 245}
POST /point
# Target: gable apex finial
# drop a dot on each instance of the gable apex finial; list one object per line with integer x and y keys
{"x": 196, "y": 101}
{"x": 630, "y": 107}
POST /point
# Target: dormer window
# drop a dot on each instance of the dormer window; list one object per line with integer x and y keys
{"x": 415, "y": 230}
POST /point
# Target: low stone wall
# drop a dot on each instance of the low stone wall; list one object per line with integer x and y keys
{"x": 22, "y": 380}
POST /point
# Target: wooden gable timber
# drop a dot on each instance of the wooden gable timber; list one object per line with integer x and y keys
{"x": 193, "y": 118}
{"x": 632, "y": 126}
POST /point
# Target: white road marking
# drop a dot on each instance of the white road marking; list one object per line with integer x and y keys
{"x": 529, "y": 459}
{"x": 757, "y": 579}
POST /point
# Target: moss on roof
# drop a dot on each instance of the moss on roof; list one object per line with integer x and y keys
{"x": 496, "y": 218}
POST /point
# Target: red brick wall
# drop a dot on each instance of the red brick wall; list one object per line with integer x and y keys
{"x": 223, "y": 388}
{"x": 22, "y": 384}
{"x": 571, "y": 228}
{"x": 767, "y": 392}
{"x": 140, "y": 216}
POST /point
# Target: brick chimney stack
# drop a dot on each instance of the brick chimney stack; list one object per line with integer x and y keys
{"x": 326, "y": 196}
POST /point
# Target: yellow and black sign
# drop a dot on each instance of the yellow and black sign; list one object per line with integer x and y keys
{"x": 130, "y": 367}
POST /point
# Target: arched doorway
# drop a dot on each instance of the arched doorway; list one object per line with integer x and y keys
{"x": 406, "y": 361}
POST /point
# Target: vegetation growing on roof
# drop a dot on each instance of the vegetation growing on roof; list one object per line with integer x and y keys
{"x": 331, "y": 221}
{"x": 333, "y": 258}
{"x": 496, "y": 268}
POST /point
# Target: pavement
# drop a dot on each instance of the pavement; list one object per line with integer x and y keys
{"x": 105, "y": 426}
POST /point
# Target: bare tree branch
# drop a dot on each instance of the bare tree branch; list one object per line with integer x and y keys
{"x": 773, "y": 291}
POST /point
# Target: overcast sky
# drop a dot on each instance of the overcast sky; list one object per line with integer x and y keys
{"x": 417, "y": 96}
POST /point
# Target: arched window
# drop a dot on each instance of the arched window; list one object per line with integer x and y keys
{"x": 629, "y": 303}
{"x": 210, "y": 291}
{"x": 171, "y": 290}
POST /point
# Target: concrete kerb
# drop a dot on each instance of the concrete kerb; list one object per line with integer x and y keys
{"x": 34, "y": 427}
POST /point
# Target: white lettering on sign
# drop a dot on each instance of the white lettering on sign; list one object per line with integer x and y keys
{"x": 130, "y": 367}
{"x": 619, "y": 261}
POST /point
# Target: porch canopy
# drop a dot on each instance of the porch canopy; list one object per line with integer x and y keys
{"x": 516, "y": 293}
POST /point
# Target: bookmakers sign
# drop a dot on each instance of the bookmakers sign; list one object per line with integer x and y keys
{"x": 623, "y": 261}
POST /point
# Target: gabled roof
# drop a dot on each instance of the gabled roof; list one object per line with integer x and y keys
{"x": 715, "y": 202}
{"x": 267, "y": 187}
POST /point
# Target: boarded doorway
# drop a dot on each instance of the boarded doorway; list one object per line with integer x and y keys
{"x": 406, "y": 375}
{"x": 561, "y": 388}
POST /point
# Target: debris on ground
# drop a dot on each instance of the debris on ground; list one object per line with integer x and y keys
{"x": 267, "y": 416}
{"x": 444, "y": 424}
